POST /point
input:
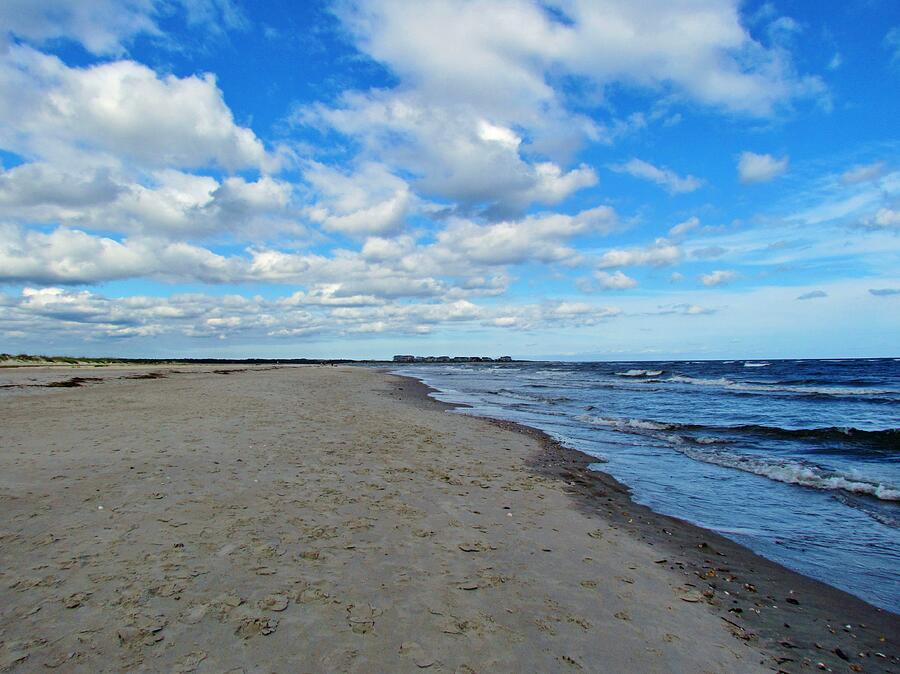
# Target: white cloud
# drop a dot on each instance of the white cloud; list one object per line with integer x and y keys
{"x": 370, "y": 200}
{"x": 123, "y": 108}
{"x": 451, "y": 150}
{"x": 169, "y": 203}
{"x": 863, "y": 173}
{"x": 667, "y": 178}
{"x": 104, "y": 27}
{"x": 72, "y": 256}
{"x": 718, "y": 278}
{"x": 615, "y": 281}
{"x": 884, "y": 218}
{"x": 760, "y": 168}
{"x": 539, "y": 237}
{"x": 495, "y": 53}
{"x": 660, "y": 254}
{"x": 478, "y": 116}
{"x": 684, "y": 227}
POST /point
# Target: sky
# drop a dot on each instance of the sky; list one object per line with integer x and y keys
{"x": 573, "y": 179}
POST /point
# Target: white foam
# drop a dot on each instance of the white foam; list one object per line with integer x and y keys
{"x": 775, "y": 388}
{"x": 625, "y": 424}
{"x": 793, "y": 472}
{"x": 640, "y": 373}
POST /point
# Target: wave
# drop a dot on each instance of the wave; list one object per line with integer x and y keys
{"x": 757, "y": 364}
{"x": 886, "y": 438}
{"x": 795, "y": 472}
{"x": 627, "y": 424}
{"x": 640, "y": 373}
{"x": 723, "y": 382}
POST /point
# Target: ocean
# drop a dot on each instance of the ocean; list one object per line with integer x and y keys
{"x": 799, "y": 460}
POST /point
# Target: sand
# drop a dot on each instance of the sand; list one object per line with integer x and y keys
{"x": 320, "y": 519}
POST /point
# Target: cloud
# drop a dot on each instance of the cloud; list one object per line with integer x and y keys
{"x": 700, "y": 49}
{"x": 883, "y": 218}
{"x": 684, "y": 227}
{"x": 684, "y": 309}
{"x": 168, "y": 203}
{"x": 452, "y": 151}
{"x": 85, "y": 315}
{"x": 539, "y": 237}
{"x": 812, "y": 295}
{"x": 718, "y": 278}
{"x": 370, "y": 200}
{"x": 72, "y": 257}
{"x": 104, "y": 27}
{"x": 615, "y": 281}
{"x": 863, "y": 173}
{"x": 708, "y": 252}
{"x": 892, "y": 43}
{"x": 667, "y": 178}
{"x": 760, "y": 168}
{"x": 884, "y": 292}
{"x": 123, "y": 108}
{"x": 660, "y": 254}
{"x": 484, "y": 117}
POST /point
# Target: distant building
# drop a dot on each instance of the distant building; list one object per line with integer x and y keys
{"x": 404, "y": 359}
{"x": 505, "y": 359}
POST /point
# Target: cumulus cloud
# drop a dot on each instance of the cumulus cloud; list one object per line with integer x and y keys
{"x": 812, "y": 295}
{"x": 123, "y": 108}
{"x": 499, "y": 53}
{"x": 660, "y": 254}
{"x": 168, "y": 203}
{"x": 478, "y": 115}
{"x": 370, "y": 200}
{"x": 72, "y": 257}
{"x": 615, "y": 281}
{"x": 86, "y": 315}
{"x": 718, "y": 278}
{"x": 671, "y": 181}
{"x": 883, "y": 218}
{"x": 760, "y": 168}
{"x": 451, "y": 150}
{"x": 539, "y": 237}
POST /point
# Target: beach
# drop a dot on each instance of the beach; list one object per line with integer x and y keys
{"x": 332, "y": 519}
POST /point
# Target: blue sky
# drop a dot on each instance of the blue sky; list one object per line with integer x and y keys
{"x": 595, "y": 179}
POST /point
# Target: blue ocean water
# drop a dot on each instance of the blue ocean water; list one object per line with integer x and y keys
{"x": 797, "y": 459}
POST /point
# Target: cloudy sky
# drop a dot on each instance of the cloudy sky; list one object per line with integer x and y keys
{"x": 598, "y": 179}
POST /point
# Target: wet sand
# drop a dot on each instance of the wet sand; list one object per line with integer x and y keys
{"x": 317, "y": 519}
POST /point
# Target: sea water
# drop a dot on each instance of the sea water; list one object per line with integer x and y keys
{"x": 797, "y": 459}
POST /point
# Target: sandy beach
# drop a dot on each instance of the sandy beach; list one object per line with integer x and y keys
{"x": 335, "y": 519}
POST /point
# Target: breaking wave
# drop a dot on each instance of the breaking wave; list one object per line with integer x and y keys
{"x": 795, "y": 472}
{"x": 640, "y": 373}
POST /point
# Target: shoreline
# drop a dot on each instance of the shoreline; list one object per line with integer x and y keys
{"x": 819, "y": 615}
{"x": 337, "y": 519}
